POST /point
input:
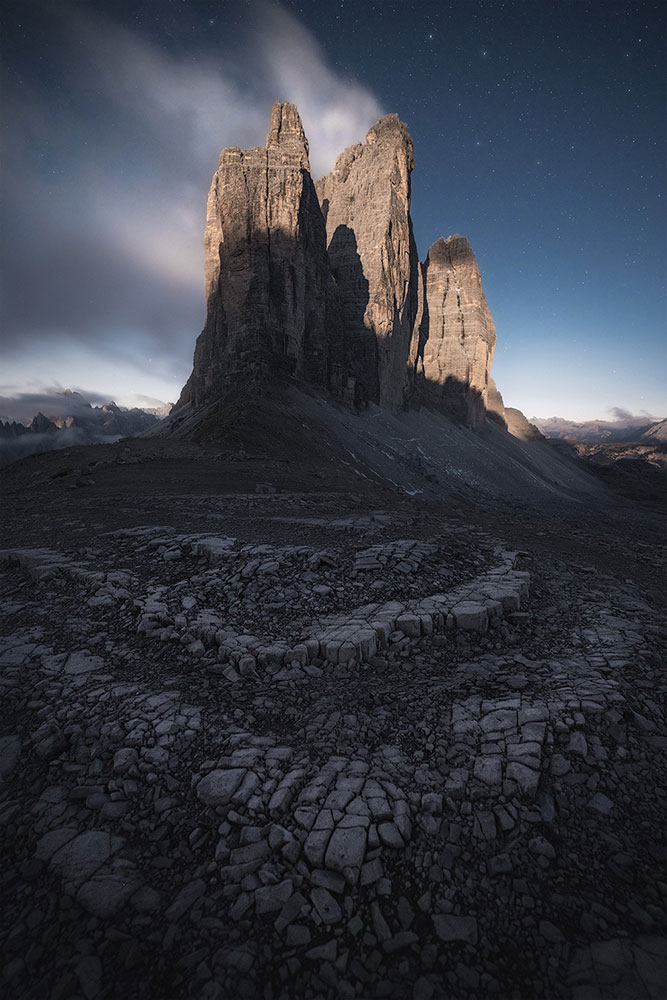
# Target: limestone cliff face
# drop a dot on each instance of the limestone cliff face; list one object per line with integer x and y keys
{"x": 272, "y": 305}
{"x": 366, "y": 204}
{"x": 520, "y": 427}
{"x": 457, "y": 337}
{"x": 323, "y": 282}
{"x": 495, "y": 406}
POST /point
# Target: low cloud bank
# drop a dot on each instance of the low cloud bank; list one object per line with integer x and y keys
{"x": 33, "y": 444}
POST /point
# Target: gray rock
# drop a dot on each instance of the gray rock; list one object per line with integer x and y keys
{"x": 188, "y": 895}
{"x": 81, "y": 856}
{"x": 217, "y": 787}
{"x": 451, "y": 928}
{"x": 10, "y": 751}
{"x": 272, "y": 897}
{"x": 601, "y": 803}
{"x": 124, "y": 759}
{"x": 108, "y": 890}
{"x": 346, "y": 848}
{"x": 327, "y": 907}
{"x": 89, "y": 974}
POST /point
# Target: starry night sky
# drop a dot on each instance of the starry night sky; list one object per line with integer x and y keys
{"x": 539, "y": 134}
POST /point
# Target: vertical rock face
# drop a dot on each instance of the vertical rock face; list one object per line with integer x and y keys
{"x": 366, "y": 204}
{"x": 495, "y": 406}
{"x": 520, "y": 427}
{"x": 271, "y": 301}
{"x": 457, "y": 336}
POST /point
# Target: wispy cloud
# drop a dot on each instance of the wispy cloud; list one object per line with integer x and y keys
{"x": 620, "y": 414}
{"x": 108, "y": 177}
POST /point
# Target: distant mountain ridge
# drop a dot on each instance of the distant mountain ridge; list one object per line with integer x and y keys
{"x": 603, "y": 431}
{"x": 78, "y": 423}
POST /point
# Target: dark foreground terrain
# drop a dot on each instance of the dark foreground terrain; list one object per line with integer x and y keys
{"x": 270, "y": 731}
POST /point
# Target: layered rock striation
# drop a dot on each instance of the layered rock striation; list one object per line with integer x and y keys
{"x": 365, "y": 201}
{"x": 323, "y": 282}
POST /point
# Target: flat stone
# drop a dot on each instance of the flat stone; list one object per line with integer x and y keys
{"x": 489, "y": 771}
{"x": 600, "y": 803}
{"x": 89, "y": 974}
{"x": 410, "y": 625}
{"x": 217, "y": 788}
{"x": 577, "y": 744}
{"x": 53, "y": 841}
{"x": 541, "y": 847}
{"x": 124, "y": 759}
{"x": 499, "y": 721}
{"x": 324, "y": 952}
{"x": 526, "y": 778}
{"x": 499, "y": 865}
{"x": 81, "y": 857}
{"x": 559, "y": 765}
{"x": 328, "y": 880}
{"x": 185, "y": 899}
{"x": 273, "y": 897}
{"x": 297, "y": 936}
{"x": 471, "y": 617}
{"x": 326, "y": 906}
{"x": 451, "y": 928}
{"x": 390, "y": 836}
{"x": 316, "y": 845}
{"x": 83, "y": 663}
{"x": 108, "y": 891}
{"x": 10, "y": 750}
{"x": 371, "y": 871}
{"x": 346, "y": 849}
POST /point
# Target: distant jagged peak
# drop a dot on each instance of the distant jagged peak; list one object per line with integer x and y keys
{"x": 41, "y": 424}
{"x": 75, "y": 396}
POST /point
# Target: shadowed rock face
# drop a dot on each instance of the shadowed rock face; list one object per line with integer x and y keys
{"x": 495, "y": 406}
{"x": 520, "y": 426}
{"x": 366, "y": 204}
{"x": 271, "y": 300}
{"x": 457, "y": 336}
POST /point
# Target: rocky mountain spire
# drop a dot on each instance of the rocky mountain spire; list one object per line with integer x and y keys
{"x": 323, "y": 282}
{"x": 272, "y": 305}
{"x": 458, "y": 336}
{"x": 366, "y": 204}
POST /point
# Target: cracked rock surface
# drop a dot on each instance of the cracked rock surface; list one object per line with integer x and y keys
{"x": 299, "y": 742}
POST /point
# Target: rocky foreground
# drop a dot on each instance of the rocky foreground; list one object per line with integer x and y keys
{"x": 270, "y": 738}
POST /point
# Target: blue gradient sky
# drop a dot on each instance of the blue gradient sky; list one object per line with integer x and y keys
{"x": 539, "y": 134}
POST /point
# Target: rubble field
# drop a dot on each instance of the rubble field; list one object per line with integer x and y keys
{"x": 287, "y": 742}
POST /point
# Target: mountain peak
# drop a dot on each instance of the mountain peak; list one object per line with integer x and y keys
{"x": 286, "y": 131}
